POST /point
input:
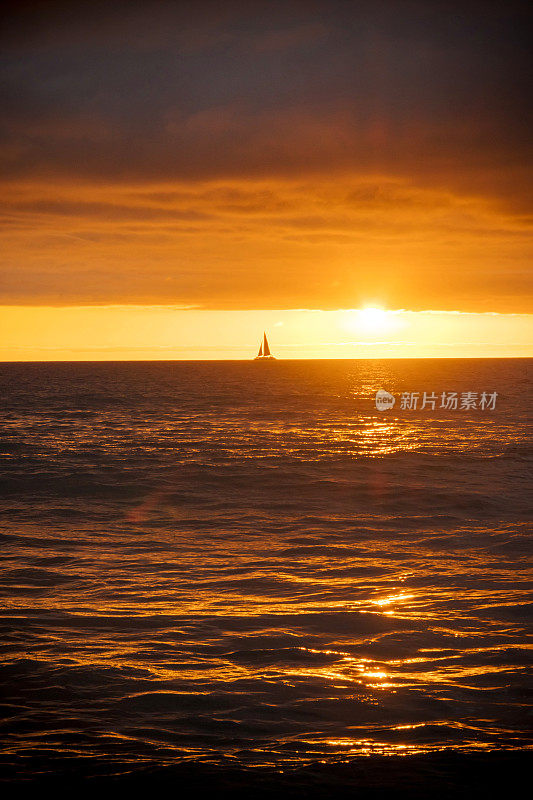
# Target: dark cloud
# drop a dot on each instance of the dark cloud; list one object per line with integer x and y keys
{"x": 172, "y": 90}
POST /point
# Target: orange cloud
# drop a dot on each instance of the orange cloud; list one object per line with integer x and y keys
{"x": 268, "y": 243}
{"x": 281, "y": 154}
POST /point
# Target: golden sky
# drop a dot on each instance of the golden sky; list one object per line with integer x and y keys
{"x": 259, "y": 156}
{"x": 163, "y": 332}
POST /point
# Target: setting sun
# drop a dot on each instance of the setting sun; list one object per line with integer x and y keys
{"x": 371, "y": 322}
{"x": 373, "y": 319}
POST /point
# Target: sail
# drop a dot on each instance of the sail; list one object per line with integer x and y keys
{"x": 264, "y": 351}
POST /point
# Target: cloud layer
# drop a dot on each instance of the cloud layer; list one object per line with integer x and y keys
{"x": 163, "y": 152}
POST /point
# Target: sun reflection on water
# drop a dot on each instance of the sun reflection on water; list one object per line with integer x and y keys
{"x": 270, "y": 578}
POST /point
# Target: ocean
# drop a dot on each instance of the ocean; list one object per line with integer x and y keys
{"x": 232, "y": 569}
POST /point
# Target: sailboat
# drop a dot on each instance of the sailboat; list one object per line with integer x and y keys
{"x": 264, "y": 351}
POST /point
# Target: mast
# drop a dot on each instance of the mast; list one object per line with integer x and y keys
{"x": 266, "y": 348}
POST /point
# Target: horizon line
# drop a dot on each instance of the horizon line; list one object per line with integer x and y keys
{"x": 251, "y": 360}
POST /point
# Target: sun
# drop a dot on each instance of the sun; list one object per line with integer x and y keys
{"x": 370, "y": 322}
{"x": 373, "y": 319}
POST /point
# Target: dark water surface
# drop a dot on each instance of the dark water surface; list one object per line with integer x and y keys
{"x": 248, "y": 566}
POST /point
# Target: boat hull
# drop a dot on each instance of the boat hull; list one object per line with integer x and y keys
{"x": 264, "y": 358}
